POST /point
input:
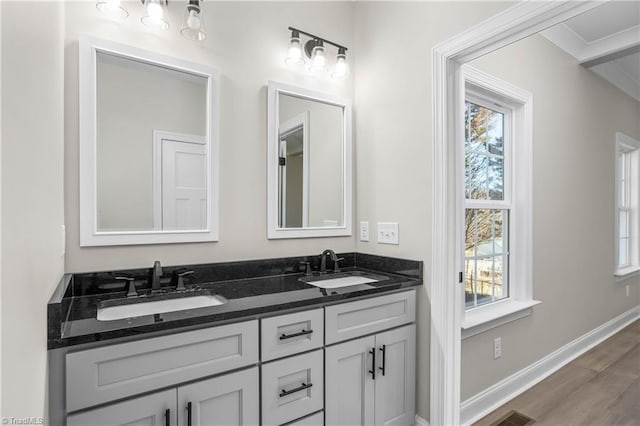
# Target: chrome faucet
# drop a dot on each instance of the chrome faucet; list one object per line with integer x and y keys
{"x": 334, "y": 258}
{"x": 156, "y": 273}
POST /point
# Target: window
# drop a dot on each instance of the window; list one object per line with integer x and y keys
{"x": 496, "y": 222}
{"x": 627, "y": 207}
{"x": 487, "y": 204}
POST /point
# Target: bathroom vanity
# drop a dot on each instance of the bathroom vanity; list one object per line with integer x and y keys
{"x": 282, "y": 344}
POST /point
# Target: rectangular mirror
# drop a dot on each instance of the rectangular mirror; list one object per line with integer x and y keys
{"x": 148, "y": 147}
{"x": 309, "y": 164}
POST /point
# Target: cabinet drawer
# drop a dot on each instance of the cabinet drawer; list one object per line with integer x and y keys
{"x": 292, "y": 388}
{"x": 349, "y": 320}
{"x": 316, "y": 419}
{"x": 104, "y": 374}
{"x": 293, "y": 333}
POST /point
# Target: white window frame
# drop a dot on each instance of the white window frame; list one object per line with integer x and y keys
{"x": 629, "y": 201}
{"x": 478, "y": 97}
{"x": 517, "y": 104}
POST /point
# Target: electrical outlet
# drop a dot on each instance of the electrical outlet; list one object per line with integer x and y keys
{"x": 497, "y": 347}
{"x": 388, "y": 233}
{"x": 364, "y": 231}
{"x": 627, "y": 290}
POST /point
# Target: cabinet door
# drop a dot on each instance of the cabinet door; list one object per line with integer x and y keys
{"x": 151, "y": 410}
{"x": 229, "y": 400}
{"x": 395, "y": 384}
{"x": 349, "y": 385}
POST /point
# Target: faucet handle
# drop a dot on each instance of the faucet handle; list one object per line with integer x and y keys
{"x": 176, "y": 278}
{"x": 132, "y": 284}
{"x": 307, "y": 268}
{"x": 336, "y": 268}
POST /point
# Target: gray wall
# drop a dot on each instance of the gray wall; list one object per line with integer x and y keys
{"x": 576, "y": 114}
{"x": 32, "y": 195}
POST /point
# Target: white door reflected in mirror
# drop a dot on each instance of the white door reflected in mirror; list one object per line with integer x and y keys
{"x": 148, "y": 147}
{"x": 309, "y": 165}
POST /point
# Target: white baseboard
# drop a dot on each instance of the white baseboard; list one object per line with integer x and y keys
{"x": 420, "y": 421}
{"x": 483, "y": 403}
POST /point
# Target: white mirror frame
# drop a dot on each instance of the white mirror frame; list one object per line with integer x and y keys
{"x": 274, "y": 89}
{"x": 89, "y": 234}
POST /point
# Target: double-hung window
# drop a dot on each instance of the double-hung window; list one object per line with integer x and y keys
{"x": 627, "y": 205}
{"x": 487, "y": 200}
{"x": 496, "y": 222}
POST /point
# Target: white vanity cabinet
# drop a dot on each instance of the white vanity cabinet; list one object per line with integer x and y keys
{"x": 349, "y": 363}
{"x": 371, "y": 380}
{"x": 228, "y": 400}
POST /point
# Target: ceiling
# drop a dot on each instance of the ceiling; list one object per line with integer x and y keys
{"x": 606, "y": 39}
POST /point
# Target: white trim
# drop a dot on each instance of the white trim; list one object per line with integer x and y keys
{"x": 89, "y": 235}
{"x": 158, "y": 137}
{"x": 627, "y": 273}
{"x": 273, "y": 231}
{"x": 596, "y": 52}
{"x": 483, "y": 403}
{"x": 627, "y": 144}
{"x": 484, "y": 318}
{"x": 598, "y": 55}
{"x": 518, "y": 157}
{"x": 419, "y": 421}
{"x": 509, "y": 26}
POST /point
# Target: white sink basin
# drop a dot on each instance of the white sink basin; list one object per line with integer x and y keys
{"x": 132, "y": 310}
{"x": 341, "y": 282}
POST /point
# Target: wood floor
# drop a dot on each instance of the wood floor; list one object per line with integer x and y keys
{"x": 601, "y": 387}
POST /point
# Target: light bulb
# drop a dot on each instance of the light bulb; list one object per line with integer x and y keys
{"x": 112, "y": 9}
{"x": 341, "y": 71}
{"x": 155, "y": 15}
{"x": 193, "y": 24}
{"x": 317, "y": 58}
{"x": 193, "y": 21}
{"x": 294, "y": 56}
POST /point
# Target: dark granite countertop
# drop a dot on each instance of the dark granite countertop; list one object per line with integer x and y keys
{"x": 253, "y": 288}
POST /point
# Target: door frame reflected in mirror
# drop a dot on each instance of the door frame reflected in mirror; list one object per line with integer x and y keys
{"x": 90, "y": 234}
{"x": 274, "y": 230}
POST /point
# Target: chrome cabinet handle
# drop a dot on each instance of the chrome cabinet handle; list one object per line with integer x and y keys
{"x": 290, "y": 336}
{"x": 298, "y": 389}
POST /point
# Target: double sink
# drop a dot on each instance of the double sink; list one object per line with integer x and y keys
{"x": 204, "y": 300}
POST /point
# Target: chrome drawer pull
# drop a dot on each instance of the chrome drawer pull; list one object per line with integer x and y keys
{"x": 298, "y": 389}
{"x": 290, "y": 336}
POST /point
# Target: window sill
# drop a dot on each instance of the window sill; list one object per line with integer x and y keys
{"x": 626, "y": 273}
{"x": 479, "y": 320}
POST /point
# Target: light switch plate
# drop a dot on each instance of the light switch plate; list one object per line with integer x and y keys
{"x": 364, "y": 231}
{"x": 388, "y": 233}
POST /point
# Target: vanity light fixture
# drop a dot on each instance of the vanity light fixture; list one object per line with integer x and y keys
{"x": 112, "y": 9}
{"x": 193, "y": 24}
{"x": 315, "y": 51}
{"x": 318, "y": 58}
{"x": 155, "y": 14}
{"x": 294, "y": 57}
{"x": 341, "y": 71}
